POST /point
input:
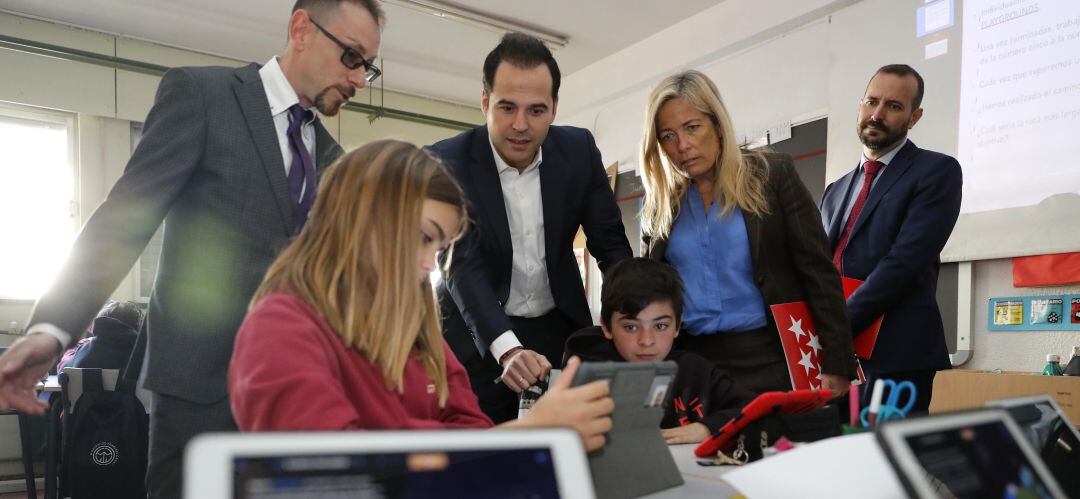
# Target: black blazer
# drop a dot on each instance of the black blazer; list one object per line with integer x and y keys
{"x": 575, "y": 192}
{"x": 894, "y": 247}
{"x": 791, "y": 262}
{"x": 209, "y": 165}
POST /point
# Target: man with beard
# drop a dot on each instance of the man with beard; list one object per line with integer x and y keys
{"x": 887, "y": 221}
{"x": 229, "y": 159}
{"x": 513, "y": 293}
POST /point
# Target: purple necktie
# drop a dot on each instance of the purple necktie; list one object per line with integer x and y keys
{"x": 302, "y": 169}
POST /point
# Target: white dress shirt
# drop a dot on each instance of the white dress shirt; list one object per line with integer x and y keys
{"x": 530, "y": 290}
{"x": 281, "y": 96}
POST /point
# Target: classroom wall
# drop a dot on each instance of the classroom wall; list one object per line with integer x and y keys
{"x": 105, "y": 102}
{"x": 790, "y": 61}
{"x": 1012, "y": 351}
{"x": 737, "y": 43}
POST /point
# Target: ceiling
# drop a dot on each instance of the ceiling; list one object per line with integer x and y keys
{"x": 422, "y": 54}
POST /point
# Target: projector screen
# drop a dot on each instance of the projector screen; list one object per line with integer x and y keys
{"x": 1019, "y": 129}
{"x": 1019, "y": 102}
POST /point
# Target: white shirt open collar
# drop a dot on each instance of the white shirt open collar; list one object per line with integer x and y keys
{"x": 530, "y": 290}
{"x": 279, "y": 92}
{"x": 501, "y": 165}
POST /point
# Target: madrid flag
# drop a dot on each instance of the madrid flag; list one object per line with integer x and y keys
{"x": 801, "y": 346}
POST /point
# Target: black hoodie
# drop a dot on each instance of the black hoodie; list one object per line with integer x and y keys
{"x": 114, "y": 332}
{"x": 702, "y": 393}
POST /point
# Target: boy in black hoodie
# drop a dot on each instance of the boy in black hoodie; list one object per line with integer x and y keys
{"x": 640, "y": 314}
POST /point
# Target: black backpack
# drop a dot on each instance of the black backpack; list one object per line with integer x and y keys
{"x": 106, "y": 438}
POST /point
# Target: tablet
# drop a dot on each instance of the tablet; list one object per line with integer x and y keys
{"x": 965, "y": 454}
{"x": 635, "y": 461}
{"x": 659, "y": 375}
{"x": 1051, "y": 435}
{"x": 793, "y": 402}
{"x": 387, "y": 464}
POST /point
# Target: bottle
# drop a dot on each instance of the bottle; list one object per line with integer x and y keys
{"x": 1053, "y": 365}
{"x": 1073, "y": 369}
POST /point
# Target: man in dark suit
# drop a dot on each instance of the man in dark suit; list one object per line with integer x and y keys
{"x": 229, "y": 160}
{"x": 513, "y": 293}
{"x": 887, "y": 222}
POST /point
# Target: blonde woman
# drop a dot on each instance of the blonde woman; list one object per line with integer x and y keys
{"x": 344, "y": 332}
{"x": 743, "y": 232}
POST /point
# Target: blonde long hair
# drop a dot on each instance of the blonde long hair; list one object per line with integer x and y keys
{"x": 741, "y": 175}
{"x": 355, "y": 260}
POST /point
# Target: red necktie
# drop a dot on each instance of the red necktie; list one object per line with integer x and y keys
{"x": 870, "y": 170}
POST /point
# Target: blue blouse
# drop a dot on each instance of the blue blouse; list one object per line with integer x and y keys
{"x": 712, "y": 255}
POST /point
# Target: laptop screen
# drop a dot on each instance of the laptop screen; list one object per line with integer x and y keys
{"x": 527, "y": 473}
{"x": 979, "y": 460}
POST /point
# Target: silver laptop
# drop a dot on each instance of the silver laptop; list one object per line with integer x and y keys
{"x": 972, "y": 454}
{"x": 387, "y": 464}
{"x": 1050, "y": 433}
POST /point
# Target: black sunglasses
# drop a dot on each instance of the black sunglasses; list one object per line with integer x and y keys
{"x": 351, "y": 58}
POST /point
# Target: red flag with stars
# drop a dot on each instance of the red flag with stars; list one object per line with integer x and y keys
{"x": 801, "y": 346}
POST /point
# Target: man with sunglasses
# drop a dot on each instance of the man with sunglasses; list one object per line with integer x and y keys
{"x": 229, "y": 160}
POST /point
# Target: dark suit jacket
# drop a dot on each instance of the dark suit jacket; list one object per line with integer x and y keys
{"x": 791, "y": 262}
{"x": 575, "y": 192}
{"x": 209, "y": 165}
{"x": 894, "y": 247}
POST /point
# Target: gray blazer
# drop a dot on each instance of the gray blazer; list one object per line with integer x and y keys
{"x": 210, "y": 166}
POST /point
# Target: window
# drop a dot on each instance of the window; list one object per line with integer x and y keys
{"x": 148, "y": 261}
{"x": 38, "y": 209}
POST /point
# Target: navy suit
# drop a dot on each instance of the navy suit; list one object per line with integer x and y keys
{"x": 894, "y": 247}
{"x": 575, "y": 193}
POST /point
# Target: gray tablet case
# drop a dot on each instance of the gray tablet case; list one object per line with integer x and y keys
{"x": 636, "y": 460}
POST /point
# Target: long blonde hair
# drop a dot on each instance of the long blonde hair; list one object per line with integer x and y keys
{"x": 355, "y": 260}
{"x": 741, "y": 175}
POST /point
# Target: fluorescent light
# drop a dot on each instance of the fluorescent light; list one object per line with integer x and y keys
{"x": 479, "y": 20}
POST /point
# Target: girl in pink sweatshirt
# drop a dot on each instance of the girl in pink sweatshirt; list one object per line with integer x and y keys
{"x": 343, "y": 333}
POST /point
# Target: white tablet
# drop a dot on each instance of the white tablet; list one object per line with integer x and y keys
{"x": 965, "y": 454}
{"x": 390, "y": 464}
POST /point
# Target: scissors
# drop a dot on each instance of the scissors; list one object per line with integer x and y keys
{"x": 890, "y": 407}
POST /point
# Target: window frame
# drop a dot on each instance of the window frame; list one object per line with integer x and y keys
{"x": 68, "y": 120}
{"x": 136, "y": 130}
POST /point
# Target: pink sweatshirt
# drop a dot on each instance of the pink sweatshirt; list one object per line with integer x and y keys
{"x": 290, "y": 371}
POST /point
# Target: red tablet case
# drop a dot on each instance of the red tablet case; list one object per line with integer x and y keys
{"x": 792, "y": 402}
